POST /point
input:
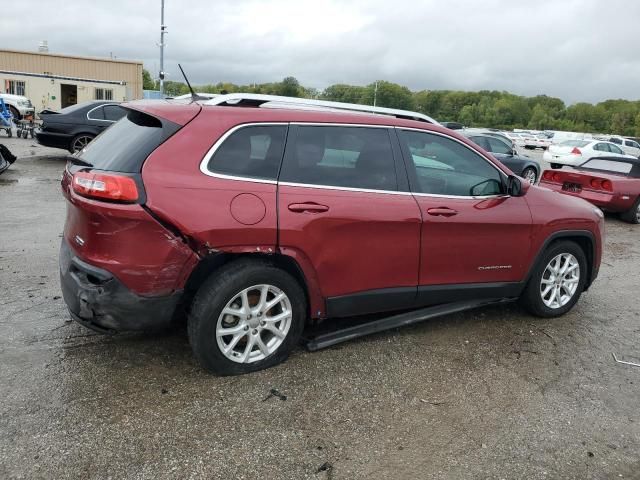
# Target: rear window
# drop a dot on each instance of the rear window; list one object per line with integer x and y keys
{"x": 608, "y": 165}
{"x": 575, "y": 143}
{"x": 124, "y": 146}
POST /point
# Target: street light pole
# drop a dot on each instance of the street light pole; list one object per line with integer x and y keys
{"x": 375, "y": 94}
{"x": 163, "y": 30}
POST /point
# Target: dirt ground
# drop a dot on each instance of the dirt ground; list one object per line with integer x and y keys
{"x": 493, "y": 393}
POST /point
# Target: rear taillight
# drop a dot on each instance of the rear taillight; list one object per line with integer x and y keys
{"x": 600, "y": 184}
{"x": 576, "y": 151}
{"x": 552, "y": 176}
{"x": 105, "y": 186}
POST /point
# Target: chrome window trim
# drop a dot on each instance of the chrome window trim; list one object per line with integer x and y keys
{"x": 220, "y": 141}
{"x": 216, "y": 145}
{"x": 455, "y": 140}
{"x": 101, "y": 119}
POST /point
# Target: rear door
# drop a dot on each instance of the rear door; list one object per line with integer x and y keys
{"x": 344, "y": 206}
{"x": 471, "y": 233}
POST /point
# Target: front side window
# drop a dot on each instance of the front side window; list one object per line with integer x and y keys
{"x": 615, "y": 149}
{"x": 498, "y": 146}
{"x": 445, "y": 166}
{"x": 351, "y": 157}
{"x": 252, "y": 152}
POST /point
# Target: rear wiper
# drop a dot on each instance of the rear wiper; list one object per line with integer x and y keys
{"x": 78, "y": 161}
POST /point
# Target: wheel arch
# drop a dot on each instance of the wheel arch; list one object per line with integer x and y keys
{"x": 585, "y": 240}
{"x": 210, "y": 263}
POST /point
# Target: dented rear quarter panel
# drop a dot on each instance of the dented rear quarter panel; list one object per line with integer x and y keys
{"x": 129, "y": 243}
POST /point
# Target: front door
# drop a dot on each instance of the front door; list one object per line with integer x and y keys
{"x": 472, "y": 233}
{"x": 341, "y": 207}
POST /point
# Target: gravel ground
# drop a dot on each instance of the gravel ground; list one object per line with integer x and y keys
{"x": 492, "y": 393}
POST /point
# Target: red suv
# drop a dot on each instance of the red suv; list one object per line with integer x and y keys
{"x": 254, "y": 220}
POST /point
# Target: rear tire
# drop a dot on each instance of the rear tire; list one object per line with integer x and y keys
{"x": 633, "y": 214}
{"x": 252, "y": 343}
{"x": 552, "y": 292}
{"x": 79, "y": 142}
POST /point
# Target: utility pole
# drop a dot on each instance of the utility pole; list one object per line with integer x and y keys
{"x": 163, "y": 30}
{"x": 375, "y": 94}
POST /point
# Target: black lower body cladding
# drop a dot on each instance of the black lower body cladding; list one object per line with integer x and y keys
{"x": 99, "y": 301}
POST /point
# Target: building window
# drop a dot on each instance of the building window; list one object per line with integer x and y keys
{"x": 16, "y": 87}
{"x": 104, "y": 94}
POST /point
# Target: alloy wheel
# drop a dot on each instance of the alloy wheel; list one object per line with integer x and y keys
{"x": 254, "y": 324}
{"x": 80, "y": 142}
{"x": 530, "y": 175}
{"x": 560, "y": 280}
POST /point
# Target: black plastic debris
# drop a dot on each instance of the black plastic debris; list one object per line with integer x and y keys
{"x": 6, "y": 158}
{"x": 275, "y": 393}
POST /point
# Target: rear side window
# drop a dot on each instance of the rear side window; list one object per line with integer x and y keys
{"x": 96, "y": 114}
{"x": 125, "y": 145}
{"x": 251, "y": 152}
{"x": 616, "y": 140}
{"x": 344, "y": 156}
{"x": 113, "y": 113}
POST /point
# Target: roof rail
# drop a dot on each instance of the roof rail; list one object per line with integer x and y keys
{"x": 258, "y": 100}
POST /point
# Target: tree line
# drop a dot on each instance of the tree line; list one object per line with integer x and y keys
{"x": 485, "y": 108}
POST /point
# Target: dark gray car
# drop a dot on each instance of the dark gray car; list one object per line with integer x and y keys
{"x": 504, "y": 150}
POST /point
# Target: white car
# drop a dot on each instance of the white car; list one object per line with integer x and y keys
{"x": 516, "y": 138}
{"x": 19, "y": 105}
{"x": 542, "y": 141}
{"x": 629, "y": 146}
{"x": 576, "y": 152}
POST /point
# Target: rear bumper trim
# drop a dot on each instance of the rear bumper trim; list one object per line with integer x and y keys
{"x": 99, "y": 301}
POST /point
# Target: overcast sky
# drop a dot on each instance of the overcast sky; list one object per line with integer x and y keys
{"x": 578, "y": 50}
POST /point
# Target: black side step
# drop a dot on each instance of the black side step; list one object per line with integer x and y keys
{"x": 329, "y": 339}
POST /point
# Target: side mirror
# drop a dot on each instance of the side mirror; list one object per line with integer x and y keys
{"x": 514, "y": 152}
{"x": 514, "y": 186}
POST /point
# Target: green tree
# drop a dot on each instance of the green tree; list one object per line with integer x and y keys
{"x": 387, "y": 94}
{"x": 289, "y": 87}
{"x": 148, "y": 83}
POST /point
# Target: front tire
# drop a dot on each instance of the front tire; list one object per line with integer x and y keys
{"x": 557, "y": 281}
{"x": 633, "y": 214}
{"x": 247, "y": 316}
{"x": 530, "y": 175}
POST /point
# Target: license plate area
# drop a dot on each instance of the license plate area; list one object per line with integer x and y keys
{"x": 571, "y": 187}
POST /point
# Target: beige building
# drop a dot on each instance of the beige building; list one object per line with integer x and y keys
{"x": 56, "y": 81}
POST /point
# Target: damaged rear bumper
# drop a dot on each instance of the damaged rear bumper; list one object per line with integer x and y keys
{"x": 99, "y": 301}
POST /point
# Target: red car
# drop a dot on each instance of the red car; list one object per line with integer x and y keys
{"x": 255, "y": 214}
{"x": 611, "y": 183}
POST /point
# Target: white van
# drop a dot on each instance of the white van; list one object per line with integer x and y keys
{"x": 559, "y": 136}
{"x": 629, "y": 146}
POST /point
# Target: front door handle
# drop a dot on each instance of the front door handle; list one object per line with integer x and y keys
{"x": 308, "y": 207}
{"x": 442, "y": 212}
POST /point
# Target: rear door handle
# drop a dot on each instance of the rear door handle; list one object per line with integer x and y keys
{"x": 442, "y": 212}
{"x": 308, "y": 207}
